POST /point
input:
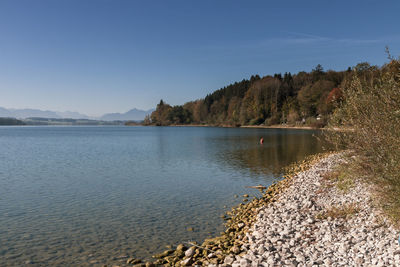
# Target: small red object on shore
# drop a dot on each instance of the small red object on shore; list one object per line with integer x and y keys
{"x": 262, "y": 141}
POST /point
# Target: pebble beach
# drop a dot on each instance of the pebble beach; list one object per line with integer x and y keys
{"x": 304, "y": 220}
{"x": 295, "y": 230}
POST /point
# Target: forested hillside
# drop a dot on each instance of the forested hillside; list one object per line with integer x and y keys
{"x": 305, "y": 98}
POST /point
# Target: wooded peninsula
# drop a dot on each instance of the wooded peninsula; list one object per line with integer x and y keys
{"x": 302, "y": 99}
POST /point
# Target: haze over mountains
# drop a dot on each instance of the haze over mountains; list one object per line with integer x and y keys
{"x": 133, "y": 114}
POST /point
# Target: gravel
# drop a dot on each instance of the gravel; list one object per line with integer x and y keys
{"x": 295, "y": 230}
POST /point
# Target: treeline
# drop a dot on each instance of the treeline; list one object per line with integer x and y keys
{"x": 303, "y": 98}
{"x": 67, "y": 121}
{"x": 10, "y": 121}
{"x": 292, "y": 99}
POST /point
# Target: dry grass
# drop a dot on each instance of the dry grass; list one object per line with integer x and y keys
{"x": 342, "y": 178}
{"x": 342, "y": 212}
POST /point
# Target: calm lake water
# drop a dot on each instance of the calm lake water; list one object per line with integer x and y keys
{"x": 81, "y": 195}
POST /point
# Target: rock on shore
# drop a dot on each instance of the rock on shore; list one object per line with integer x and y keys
{"x": 298, "y": 230}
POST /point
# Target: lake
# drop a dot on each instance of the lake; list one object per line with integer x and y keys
{"x": 89, "y": 195}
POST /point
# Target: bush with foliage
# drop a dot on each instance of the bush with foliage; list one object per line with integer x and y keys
{"x": 370, "y": 115}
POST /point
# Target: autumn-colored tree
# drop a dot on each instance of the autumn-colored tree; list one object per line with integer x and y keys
{"x": 233, "y": 117}
{"x": 272, "y": 99}
{"x": 310, "y": 96}
{"x": 160, "y": 115}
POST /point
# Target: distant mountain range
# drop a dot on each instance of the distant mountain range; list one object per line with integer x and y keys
{"x": 133, "y": 114}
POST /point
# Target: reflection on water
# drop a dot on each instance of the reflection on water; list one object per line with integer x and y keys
{"x": 87, "y": 195}
{"x": 279, "y": 150}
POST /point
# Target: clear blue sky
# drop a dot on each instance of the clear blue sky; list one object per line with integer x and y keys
{"x": 110, "y": 56}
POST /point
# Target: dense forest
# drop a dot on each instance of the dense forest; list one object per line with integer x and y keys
{"x": 305, "y": 98}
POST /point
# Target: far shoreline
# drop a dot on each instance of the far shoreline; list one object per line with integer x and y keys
{"x": 281, "y": 127}
{"x": 243, "y": 126}
{"x": 277, "y": 126}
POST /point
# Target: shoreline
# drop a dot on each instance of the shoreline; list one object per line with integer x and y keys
{"x": 282, "y": 127}
{"x": 239, "y": 221}
{"x": 244, "y": 126}
{"x": 318, "y": 221}
{"x": 301, "y": 220}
